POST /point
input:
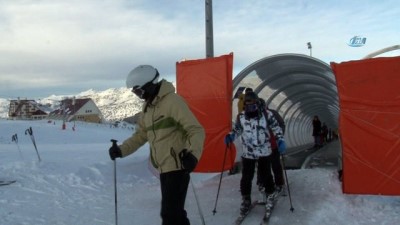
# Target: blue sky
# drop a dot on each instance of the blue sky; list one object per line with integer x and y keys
{"x": 66, "y": 47}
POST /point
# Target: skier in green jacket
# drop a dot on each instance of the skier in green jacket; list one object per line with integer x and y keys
{"x": 175, "y": 137}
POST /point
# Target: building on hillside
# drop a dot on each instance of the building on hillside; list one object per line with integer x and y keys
{"x": 27, "y": 110}
{"x": 72, "y": 109}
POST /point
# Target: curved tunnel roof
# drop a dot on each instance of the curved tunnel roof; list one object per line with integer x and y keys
{"x": 298, "y": 87}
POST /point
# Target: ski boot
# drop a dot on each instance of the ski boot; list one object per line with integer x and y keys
{"x": 245, "y": 206}
{"x": 263, "y": 196}
{"x": 281, "y": 190}
{"x": 269, "y": 205}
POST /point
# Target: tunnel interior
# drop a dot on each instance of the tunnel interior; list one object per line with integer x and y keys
{"x": 298, "y": 87}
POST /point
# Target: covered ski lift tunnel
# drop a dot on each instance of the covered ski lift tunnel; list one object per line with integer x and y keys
{"x": 298, "y": 87}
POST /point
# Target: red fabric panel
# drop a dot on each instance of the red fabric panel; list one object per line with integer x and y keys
{"x": 369, "y": 120}
{"x": 206, "y": 84}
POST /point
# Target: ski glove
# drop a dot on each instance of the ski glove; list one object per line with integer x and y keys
{"x": 188, "y": 160}
{"x": 229, "y": 138}
{"x": 281, "y": 146}
{"x": 115, "y": 152}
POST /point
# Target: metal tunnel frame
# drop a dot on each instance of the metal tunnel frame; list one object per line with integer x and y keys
{"x": 298, "y": 87}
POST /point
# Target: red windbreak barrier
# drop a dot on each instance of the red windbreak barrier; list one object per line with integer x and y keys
{"x": 369, "y": 95}
{"x": 206, "y": 85}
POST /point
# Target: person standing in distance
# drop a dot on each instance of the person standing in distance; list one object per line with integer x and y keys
{"x": 175, "y": 137}
{"x": 316, "y": 133}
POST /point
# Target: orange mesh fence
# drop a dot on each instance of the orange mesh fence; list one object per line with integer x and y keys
{"x": 206, "y": 85}
{"x": 369, "y": 120}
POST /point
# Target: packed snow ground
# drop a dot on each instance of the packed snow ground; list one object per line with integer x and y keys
{"x": 74, "y": 185}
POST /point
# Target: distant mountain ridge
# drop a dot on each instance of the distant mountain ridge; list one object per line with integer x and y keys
{"x": 119, "y": 103}
{"x": 114, "y": 103}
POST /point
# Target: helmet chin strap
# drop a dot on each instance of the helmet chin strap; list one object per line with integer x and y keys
{"x": 150, "y": 92}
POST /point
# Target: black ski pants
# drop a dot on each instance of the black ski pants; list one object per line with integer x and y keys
{"x": 265, "y": 178}
{"x": 277, "y": 167}
{"x": 174, "y": 186}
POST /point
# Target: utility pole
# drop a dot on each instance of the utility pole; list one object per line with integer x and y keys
{"x": 209, "y": 30}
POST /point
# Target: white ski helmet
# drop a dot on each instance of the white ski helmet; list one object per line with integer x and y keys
{"x": 141, "y": 75}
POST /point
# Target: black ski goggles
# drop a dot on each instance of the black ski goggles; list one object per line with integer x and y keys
{"x": 251, "y": 107}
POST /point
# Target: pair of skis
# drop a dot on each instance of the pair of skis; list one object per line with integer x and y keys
{"x": 243, "y": 216}
{"x": 267, "y": 214}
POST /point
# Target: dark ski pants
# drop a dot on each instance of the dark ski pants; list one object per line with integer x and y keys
{"x": 174, "y": 187}
{"x": 264, "y": 175}
{"x": 277, "y": 167}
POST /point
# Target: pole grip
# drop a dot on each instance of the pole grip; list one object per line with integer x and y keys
{"x": 114, "y": 142}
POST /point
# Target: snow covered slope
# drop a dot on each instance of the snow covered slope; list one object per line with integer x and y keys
{"x": 73, "y": 185}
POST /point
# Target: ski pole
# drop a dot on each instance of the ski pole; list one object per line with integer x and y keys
{"x": 287, "y": 183}
{"x": 14, "y": 138}
{"x": 114, "y": 143}
{"x": 198, "y": 203}
{"x": 220, "y": 179}
{"x": 29, "y": 130}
